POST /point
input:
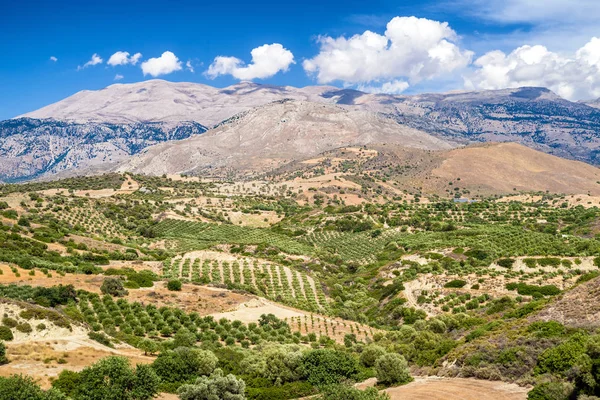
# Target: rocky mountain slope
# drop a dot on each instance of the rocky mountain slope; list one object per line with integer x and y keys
{"x": 93, "y": 129}
{"x": 274, "y": 134}
{"x": 30, "y": 148}
{"x": 161, "y": 101}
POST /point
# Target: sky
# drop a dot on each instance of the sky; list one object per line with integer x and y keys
{"x": 52, "y": 49}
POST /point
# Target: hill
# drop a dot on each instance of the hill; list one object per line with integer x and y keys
{"x": 272, "y": 135}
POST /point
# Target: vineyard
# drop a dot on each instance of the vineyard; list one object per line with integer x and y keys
{"x": 205, "y": 234}
{"x": 275, "y": 282}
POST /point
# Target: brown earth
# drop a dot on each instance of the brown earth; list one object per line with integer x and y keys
{"x": 503, "y": 167}
{"x": 576, "y": 307}
{"x": 434, "y": 388}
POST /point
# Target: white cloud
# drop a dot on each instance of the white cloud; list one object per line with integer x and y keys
{"x": 411, "y": 50}
{"x": 95, "y": 60}
{"x": 165, "y": 64}
{"x": 393, "y": 87}
{"x": 189, "y": 66}
{"x": 573, "y": 77}
{"x": 267, "y": 60}
{"x": 123, "y": 58}
{"x": 54, "y": 59}
{"x": 118, "y": 77}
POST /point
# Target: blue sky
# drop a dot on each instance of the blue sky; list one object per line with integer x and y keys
{"x": 369, "y": 45}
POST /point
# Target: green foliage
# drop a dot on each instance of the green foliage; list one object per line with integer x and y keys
{"x": 214, "y": 387}
{"x": 5, "y": 333}
{"x": 113, "y": 287}
{"x": 183, "y": 364}
{"x": 113, "y": 378}
{"x": 328, "y": 367}
{"x": 551, "y": 391}
{"x": 174, "y": 285}
{"x": 391, "y": 369}
{"x": 533, "y": 290}
{"x": 560, "y": 358}
{"x": 370, "y": 354}
{"x": 19, "y": 387}
{"x": 343, "y": 392}
{"x": 456, "y": 283}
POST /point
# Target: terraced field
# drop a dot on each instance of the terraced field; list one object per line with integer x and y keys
{"x": 275, "y": 282}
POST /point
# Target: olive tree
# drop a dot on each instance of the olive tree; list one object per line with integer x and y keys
{"x": 391, "y": 369}
{"x": 214, "y": 387}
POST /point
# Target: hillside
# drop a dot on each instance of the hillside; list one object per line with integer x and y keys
{"x": 272, "y": 135}
{"x": 31, "y": 148}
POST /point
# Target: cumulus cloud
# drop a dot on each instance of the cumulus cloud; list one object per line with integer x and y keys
{"x": 123, "y": 58}
{"x": 163, "y": 65}
{"x": 189, "y": 66}
{"x": 118, "y": 77}
{"x": 267, "y": 60}
{"x": 54, "y": 59}
{"x": 410, "y": 50}
{"x": 572, "y": 77}
{"x": 393, "y": 87}
{"x": 95, "y": 60}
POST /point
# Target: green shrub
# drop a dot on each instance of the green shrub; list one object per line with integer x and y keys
{"x": 328, "y": 367}
{"x": 113, "y": 287}
{"x": 370, "y": 354}
{"x": 5, "y": 333}
{"x": 10, "y": 322}
{"x": 551, "y": 391}
{"x": 3, "y": 359}
{"x": 456, "y": 283}
{"x": 24, "y": 327}
{"x": 174, "y": 285}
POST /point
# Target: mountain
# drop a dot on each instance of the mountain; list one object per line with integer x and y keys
{"x": 535, "y": 117}
{"x": 272, "y": 135}
{"x": 161, "y": 101}
{"x": 30, "y": 148}
{"x": 99, "y": 129}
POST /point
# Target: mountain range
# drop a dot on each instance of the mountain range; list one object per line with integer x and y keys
{"x": 160, "y": 127}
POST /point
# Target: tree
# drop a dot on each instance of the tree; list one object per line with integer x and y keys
{"x": 184, "y": 338}
{"x": 174, "y": 285}
{"x": 392, "y": 369}
{"x": 183, "y": 364}
{"x": 149, "y": 346}
{"x": 113, "y": 378}
{"x": 114, "y": 287}
{"x": 24, "y": 387}
{"x": 370, "y": 354}
{"x": 215, "y": 387}
{"x": 328, "y": 367}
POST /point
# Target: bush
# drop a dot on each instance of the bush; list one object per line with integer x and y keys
{"x": 342, "y": 392}
{"x": 10, "y": 322}
{"x": 174, "y": 285}
{"x": 392, "y": 369}
{"x": 456, "y": 283}
{"x": 5, "y": 333}
{"x": 506, "y": 262}
{"x": 113, "y": 287}
{"x": 25, "y": 328}
{"x": 551, "y": 391}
